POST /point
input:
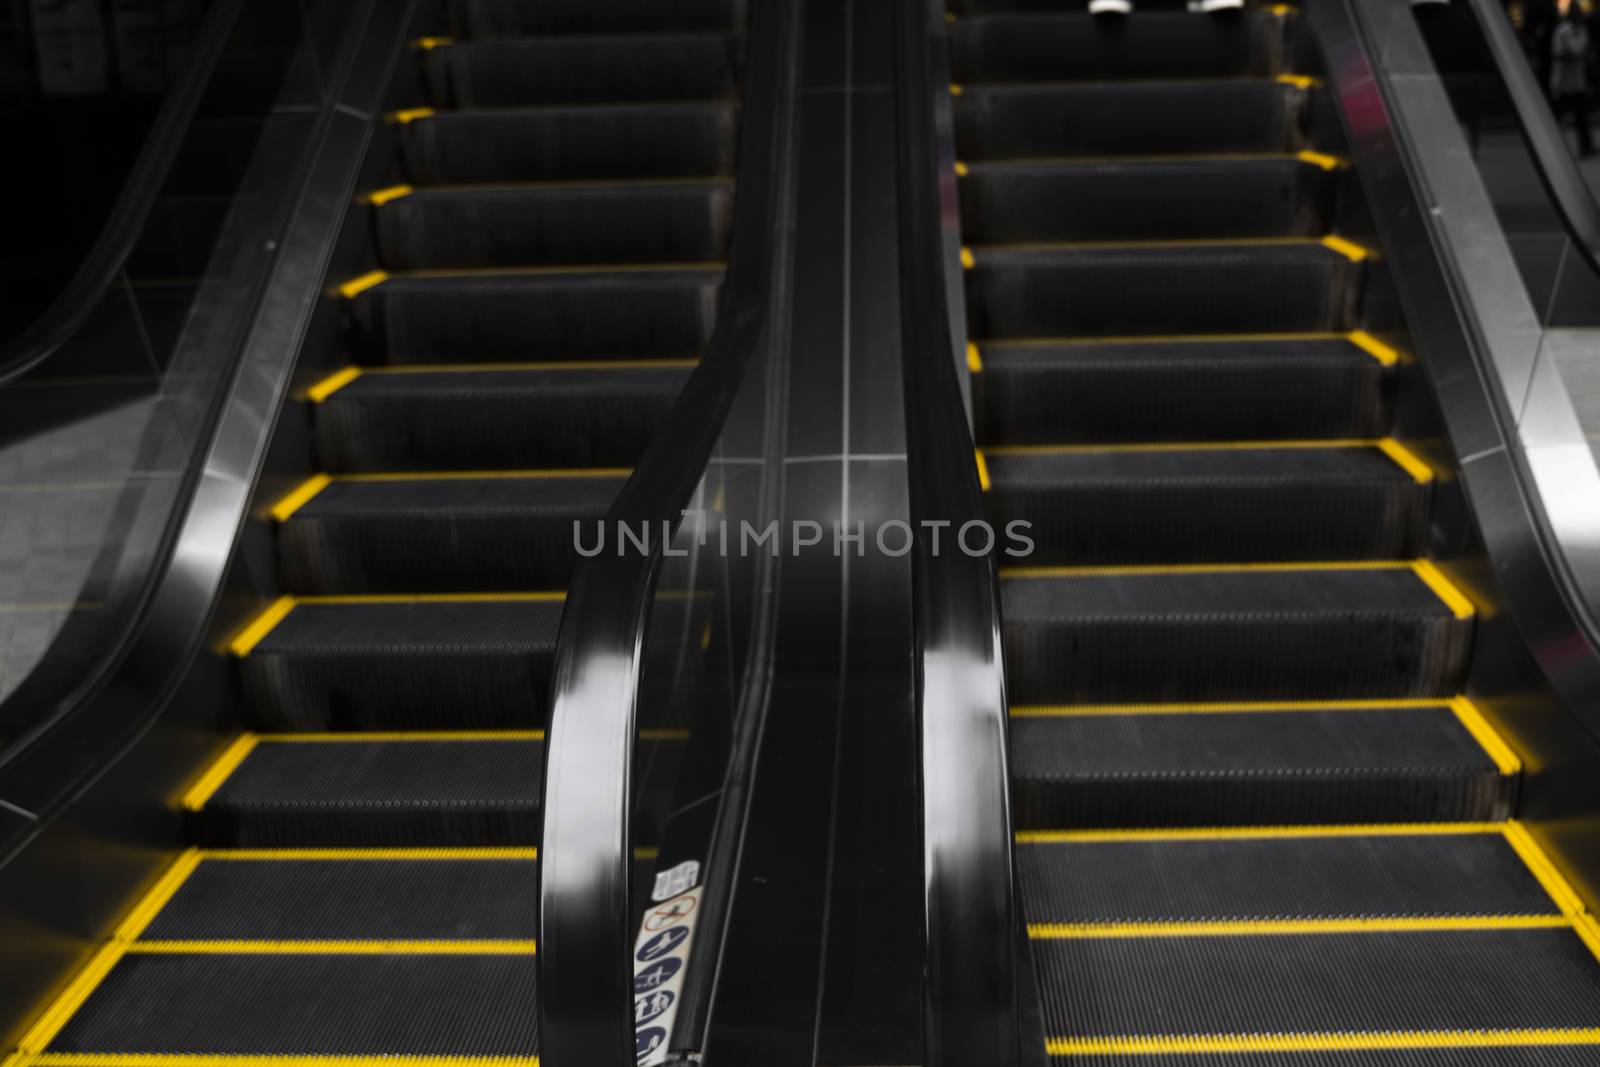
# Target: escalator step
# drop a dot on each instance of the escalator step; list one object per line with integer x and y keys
{"x": 404, "y": 663}
{"x": 583, "y": 70}
{"x": 444, "y": 533}
{"x": 1151, "y": 288}
{"x": 1231, "y": 633}
{"x": 352, "y": 790}
{"x": 972, "y": 8}
{"x": 1092, "y": 505}
{"x": 1247, "y": 875}
{"x": 1054, "y": 46}
{"x": 554, "y": 313}
{"x": 1245, "y": 990}
{"x": 545, "y": 225}
{"x": 1204, "y": 197}
{"x": 494, "y": 418}
{"x": 1538, "y": 1051}
{"x": 155, "y": 1005}
{"x": 484, "y": 18}
{"x": 356, "y": 895}
{"x": 1180, "y": 389}
{"x": 570, "y": 143}
{"x": 1128, "y": 118}
{"x": 1235, "y": 768}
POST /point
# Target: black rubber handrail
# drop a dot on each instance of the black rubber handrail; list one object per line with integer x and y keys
{"x": 1558, "y": 172}
{"x": 585, "y": 934}
{"x": 971, "y": 1005}
{"x": 117, "y": 239}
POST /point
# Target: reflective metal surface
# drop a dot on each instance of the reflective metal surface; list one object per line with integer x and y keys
{"x": 92, "y": 783}
{"x": 971, "y": 1014}
{"x": 1478, "y": 401}
{"x": 633, "y": 620}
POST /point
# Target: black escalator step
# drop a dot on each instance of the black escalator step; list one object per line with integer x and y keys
{"x": 1531, "y": 1052}
{"x": 1196, "y": 504}
{"x": 555, "y": 313}
{"x": 1244, "y": 875}
{"x": 1181, "y": 389}
{"x": 550, "y": 224}
{"x": 570, "y": 143}
{"x": 440, "y": 418}
{"x": 1243, "y": 991}
{"x": 1129, "y": 118}
{"x": 320, "y": 1005}
{"x": 1233, "y": 633}
{"x": 1158, "y": 44}
{"x": 1142, "y": 288}
{"x": 434, "y": 534}
{"x": 401, "y": 663}
{"x": 975, "y": 8}
{"x": 1204, "y": 197}
{"x": 350, "y": 790}
{"x": 583, "y": 70}
{"x": 486, "y": 18}
{"x": 1223, "y": 767}
{"x": 356, "y": 895}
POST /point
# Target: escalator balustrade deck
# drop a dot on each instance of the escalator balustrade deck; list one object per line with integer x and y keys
{"x": 363, "y": 878}
{"x": 1258, "y": 820}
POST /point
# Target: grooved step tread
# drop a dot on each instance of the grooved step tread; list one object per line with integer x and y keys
{"x": 1347, "y": 765}
{"x": 396, "y": 498}
{"x": 310, "y": 1005}
{"x": 1139, "y": 469}
{"x": 1317, "y": 984}
{"x": 403, "y": 626}
{"x": 354, "y": 897}
{"x": 1322, "y": 874}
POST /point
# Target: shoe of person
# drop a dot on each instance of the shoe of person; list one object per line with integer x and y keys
{"x": 1212, "y": 7}
{"x": 1110, "y": 7}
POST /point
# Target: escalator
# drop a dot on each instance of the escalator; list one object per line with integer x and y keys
{"x": 1257, "y": 819}
{"x": 537, "y": 256}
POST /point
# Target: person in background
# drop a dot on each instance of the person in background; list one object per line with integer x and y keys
{"x": 1569, "y": 71}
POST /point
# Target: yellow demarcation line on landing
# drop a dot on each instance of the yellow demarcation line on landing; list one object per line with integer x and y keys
{"x": 429, "y": 43}
{"x": 974, "y": 358}
{"x": 1373, "y": 347}
{"x": 332, "y": 384}
{"x": 1048, "y": 711}
{"x": 1444, "y": 589}
{"x": 281, "y": 855}
{"x": 380, "y": 197}
{"x": 1140, "y": 1045}
{"x": 1316, "y": 159}
{"x": 1291, "y": 927}
{"x": 1349, "y": 249}
{"x": 357, "y": 736}
{"x": 360, "y": 284}
{"x": 409, "y": 947}
{"x": 150, "y": 1059}
{"x": 1425, "y": 570}
{"x": 1488, "y": 738}
{"x": 1555, "y": 883}
{"x": 983, "y": 472}
{"x": 300, "y": 496}
{"x": 1249, "y": 833}
{"x": 1363, "y": 340}
{"x": 1299, "y": 81}
{"x": 410, "y": 114}
{"x": 1406, "y": 459}
{"x": 1398, "y": 453}
{"x": 219, "y": 771}
{"x": 47, "y": 1026}
{"x": 261, "y": 626}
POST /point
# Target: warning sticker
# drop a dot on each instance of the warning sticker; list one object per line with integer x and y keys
{"x": 675, "y": 880}
{"x": 660, "y": 954}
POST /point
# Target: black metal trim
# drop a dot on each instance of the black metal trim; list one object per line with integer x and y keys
{"x": 971, "y": 1007}
{"x": 1558, "y": 172}
{"x": 72, "y": 306}
{"x": 585, "y": 921}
